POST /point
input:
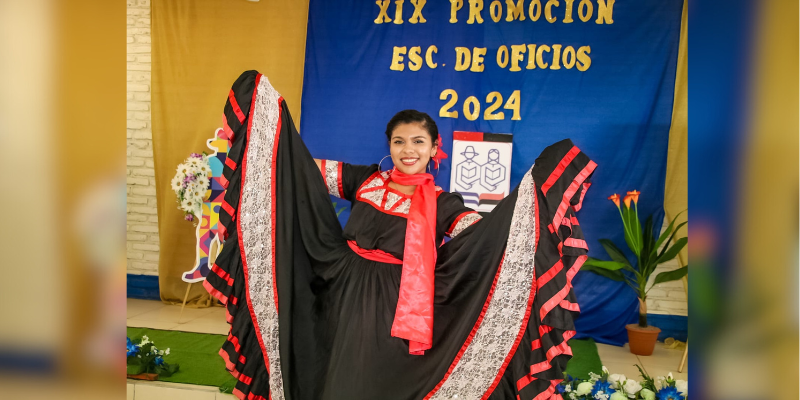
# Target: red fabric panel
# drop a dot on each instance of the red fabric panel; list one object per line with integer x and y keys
{"x": 471, "y": 136}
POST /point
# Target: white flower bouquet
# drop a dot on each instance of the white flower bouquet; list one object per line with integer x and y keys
{"x": 618, "y": 387}
{"x": 144, "y": 358}
{"x": 190, "y": 184}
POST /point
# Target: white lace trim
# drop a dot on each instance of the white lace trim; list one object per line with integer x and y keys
{"x": 465, "y": 222}
{"x": 404, "y": 207}
{"x": 374, "y": 196}
{"x": 375, "y": 182}
{"x": 332, "y": 177}
{"x": 391, "y": 200}
{"x": 256, "y": 227}
{"x": 482, "y": 359}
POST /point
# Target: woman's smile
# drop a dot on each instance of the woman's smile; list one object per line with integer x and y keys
{"x": 409, "y": 161}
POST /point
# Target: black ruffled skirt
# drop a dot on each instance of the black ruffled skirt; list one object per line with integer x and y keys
{"x": 310, "y": 319}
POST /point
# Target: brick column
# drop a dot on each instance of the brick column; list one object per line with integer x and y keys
{"x": 142, "y": 250}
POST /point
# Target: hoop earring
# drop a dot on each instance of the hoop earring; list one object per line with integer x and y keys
{"x": 437, "y": 169}
{"x": 381, "y": 162}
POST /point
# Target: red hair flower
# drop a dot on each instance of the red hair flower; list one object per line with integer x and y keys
{"x": 440, "y": 154}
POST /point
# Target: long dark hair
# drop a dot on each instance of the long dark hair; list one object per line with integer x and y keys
{"x": 412, "y": 116}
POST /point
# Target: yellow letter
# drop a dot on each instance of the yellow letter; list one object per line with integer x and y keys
{"x": 515, "y": 11}
{"x": 475, "y": 8}
{"x": 568, "y": 13}
{"x": 397, "y": 59}
{"x": 455, "y": 5}
{"x": 429, "y": 57}
{"x": 556, "y": 57}
{"x": 382, "y": 17}
{"x": 585, "y": 9}
{"x": 539, "y": 59}
{"x": 548, "y": 14}
{"x": 604, "y": 12}
{"x": 415, "y": 61}
{"x": 496, "y": 10}
{"x": 516, "y": 56}
{"x": 398, "y": 12}
{"x": 417, "y": 16}
{"x": 462, "y": 58}
{"x": 584, "y": 62}
{"x": 569, "y": 62}
{"x": 535, "y": 17}
{"x": 502, "y": 56}
{"x": 477, "y": 59}
{"x": 531, "y": 57}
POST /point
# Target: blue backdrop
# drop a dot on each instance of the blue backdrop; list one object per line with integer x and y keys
{"x": 617, "y": 109}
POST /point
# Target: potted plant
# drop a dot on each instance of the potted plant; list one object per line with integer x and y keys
{"x": 146, "y": 362}
{"x": 649, "y": 252}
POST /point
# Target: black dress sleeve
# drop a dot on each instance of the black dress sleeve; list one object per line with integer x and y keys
{"x": 452, "y": 216}
{"x": 343, "y": 179}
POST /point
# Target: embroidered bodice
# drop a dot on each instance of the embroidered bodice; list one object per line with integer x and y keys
{"x": 378, "y": 214}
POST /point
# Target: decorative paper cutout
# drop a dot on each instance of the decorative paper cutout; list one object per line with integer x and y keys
{"x": 208, "y": 241}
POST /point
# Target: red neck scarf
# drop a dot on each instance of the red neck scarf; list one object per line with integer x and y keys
{"x": 413, "y": 319}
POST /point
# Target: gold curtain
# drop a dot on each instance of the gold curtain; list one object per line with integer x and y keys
{"x": 677, "y": 182}
{"x": 199, "y": 48}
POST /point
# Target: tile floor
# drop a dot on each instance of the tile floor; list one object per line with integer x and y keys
{"x": 157, "y": 315}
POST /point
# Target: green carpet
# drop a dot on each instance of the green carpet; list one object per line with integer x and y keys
{"x": 200, "y": 363}
{"x": 196, "y": 353}
{"x": 585, "y": 359}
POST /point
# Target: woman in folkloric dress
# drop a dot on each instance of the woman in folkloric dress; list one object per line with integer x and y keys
{"x": 384, "y": 309}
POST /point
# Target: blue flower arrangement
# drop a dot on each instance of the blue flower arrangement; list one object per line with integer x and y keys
{"x": 145, "y": 358}
{"x": 607, "y": 386}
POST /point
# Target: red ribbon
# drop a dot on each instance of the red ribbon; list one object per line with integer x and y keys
{"x": 374, "y": 255}
{"x": 413, "y": 319}
{"x": 227, "y": 133}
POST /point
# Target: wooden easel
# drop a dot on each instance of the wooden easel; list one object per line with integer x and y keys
{"x": 212, "y": 257}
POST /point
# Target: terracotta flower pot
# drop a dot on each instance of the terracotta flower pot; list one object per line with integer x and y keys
{"x": 642, "y": 340}
{"x": 144, "y": 377}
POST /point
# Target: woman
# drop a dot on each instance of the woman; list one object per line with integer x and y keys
{"x": 384, "y": 309}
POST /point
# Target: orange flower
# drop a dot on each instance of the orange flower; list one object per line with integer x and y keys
{"x": 615, "y": 199}
{"x": 627, "y": 200}
{"x": 635, "y": 196}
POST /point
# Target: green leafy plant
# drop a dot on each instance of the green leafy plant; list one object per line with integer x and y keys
{"x": 648, "y": 250}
